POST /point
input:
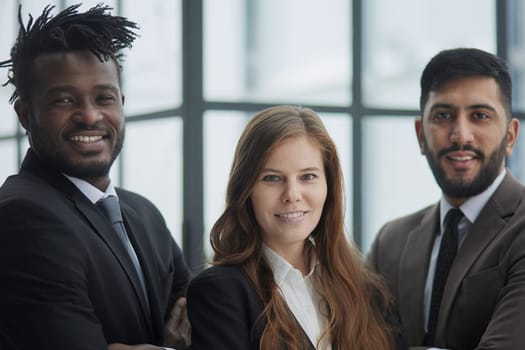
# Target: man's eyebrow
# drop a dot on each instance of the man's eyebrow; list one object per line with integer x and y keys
{"x": 451, "y": 106}
{"x": 442, "y": 105}
{"x": 482, "y": 106}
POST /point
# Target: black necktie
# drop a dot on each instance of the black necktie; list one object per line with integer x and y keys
{"x": 111, "y": 209}
{"x": 447, "y": 253}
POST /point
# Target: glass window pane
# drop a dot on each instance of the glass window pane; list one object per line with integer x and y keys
{"x": 516, "y": 33}
{"x": 277, "y": 50}
{"x": 8, "y": 159}
{"x": 396, "y": 177}
{"x": 35, "y": 8}
{"x": 396, "y": 50}
{"x": 152, "y": 166}
{"x": 339, "y": 127}
{"x": 87, "y": 4}
{"x": 9, "y": 118}
{"x": 219, "y": 147}
{"x": 8, "y": 28}
{"x": 515, "y": 161}
{"x": 153, "y": 67}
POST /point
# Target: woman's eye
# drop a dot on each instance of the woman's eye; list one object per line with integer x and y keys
{"x": 271, "y": 178}
{"x": 309, "y": 177}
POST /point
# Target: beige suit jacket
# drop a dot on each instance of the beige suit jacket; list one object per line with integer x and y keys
{"x": 483, "y": 305}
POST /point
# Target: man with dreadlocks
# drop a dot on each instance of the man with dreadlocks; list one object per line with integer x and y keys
{"x": 72, "y": 274}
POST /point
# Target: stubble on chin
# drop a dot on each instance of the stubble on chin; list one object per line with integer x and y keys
{"x": 463, "y": 187}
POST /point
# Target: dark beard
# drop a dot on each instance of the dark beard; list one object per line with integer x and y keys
{"x": 466, "y": 189}
{"x": 92, "y": 171}
{"x": 51, "y": 154}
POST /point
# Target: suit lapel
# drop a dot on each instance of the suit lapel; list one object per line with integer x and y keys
{"x": 413, "y": 274}
{"x": 106, "y": 232}
{"x": 491, "y": 220}
{"x": 96, "y": 219}
{"x": 142, "y": 244}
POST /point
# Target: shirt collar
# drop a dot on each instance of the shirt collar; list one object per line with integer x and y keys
{"x": 281, "y": 267}
{"x": 473, "y": 206}
{"x": 90, "y": 191}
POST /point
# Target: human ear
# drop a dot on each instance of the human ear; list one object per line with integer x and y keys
{"x": 512, "y": 135}
{"x": 418, "y": 124}
{"x": 22, "y": 111}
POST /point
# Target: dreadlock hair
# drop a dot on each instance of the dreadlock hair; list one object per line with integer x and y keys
{"x": 95, "y": 30}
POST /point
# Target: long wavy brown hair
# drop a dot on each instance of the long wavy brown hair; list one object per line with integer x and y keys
{"x": 354, "y": 300}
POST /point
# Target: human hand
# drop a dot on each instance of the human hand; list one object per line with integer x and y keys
{"x": 177, "y": 330}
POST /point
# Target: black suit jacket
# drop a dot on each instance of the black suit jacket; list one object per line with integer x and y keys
{"x": 224, "y": 311}
{"x": 66, "y": 281}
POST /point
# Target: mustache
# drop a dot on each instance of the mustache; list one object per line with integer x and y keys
{"x": 456, "y": 147}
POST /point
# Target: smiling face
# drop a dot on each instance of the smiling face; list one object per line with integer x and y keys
{"x": 75, "y": 119}
{"x": 289, "y": 194}
{"x": 465, "y": 134}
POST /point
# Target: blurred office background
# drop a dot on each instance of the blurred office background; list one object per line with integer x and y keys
{"x": 201, "y": 68}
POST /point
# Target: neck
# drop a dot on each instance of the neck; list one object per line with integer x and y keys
{"x": 295, "y": 254}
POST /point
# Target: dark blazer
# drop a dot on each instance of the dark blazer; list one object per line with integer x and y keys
{"x": 224, "y": 311}
{"x": 66, "y": 281}
{"x": 483, "y": 305}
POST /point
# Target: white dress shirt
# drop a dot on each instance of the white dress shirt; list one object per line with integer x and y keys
{"x": 94, "y": 195}
{"x": 90, "y": 191}
{"x": 300, "y": 294}
{"x": 471, "y": 209}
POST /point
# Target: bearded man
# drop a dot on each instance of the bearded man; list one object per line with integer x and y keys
{"x": 456, "y": 269}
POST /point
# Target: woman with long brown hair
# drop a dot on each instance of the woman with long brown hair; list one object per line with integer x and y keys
{"x": 285, "y": 275}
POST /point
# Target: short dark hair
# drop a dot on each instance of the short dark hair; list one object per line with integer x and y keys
{"x": 459, "y": 63}
{"x": 95, "y": 30}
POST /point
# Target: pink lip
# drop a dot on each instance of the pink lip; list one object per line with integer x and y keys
{"x": 461, "y": 160}
{"x": 291, "y": 217}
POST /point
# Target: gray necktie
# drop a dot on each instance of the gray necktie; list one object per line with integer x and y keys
{"x": 111, "y": 209}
